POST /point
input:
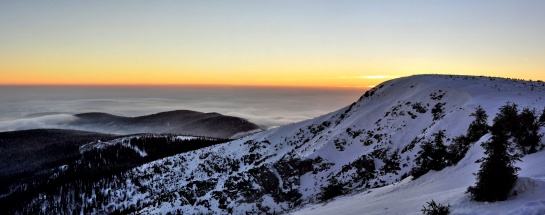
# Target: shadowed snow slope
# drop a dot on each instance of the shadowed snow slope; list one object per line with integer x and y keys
{"x": 364, "y": 148}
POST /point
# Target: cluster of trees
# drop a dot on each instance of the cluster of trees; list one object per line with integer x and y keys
{"x": 434, "y": 155}
{"x": 477, "y": 129}
{"x": 514, "y": 134}
{"x": 498, "y": 173}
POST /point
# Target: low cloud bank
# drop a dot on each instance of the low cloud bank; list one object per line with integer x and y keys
{"x": 47, "y": 121}
{"x": 52, "y": 107}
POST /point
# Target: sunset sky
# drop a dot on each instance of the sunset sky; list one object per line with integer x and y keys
{"x": 266, "y": 43}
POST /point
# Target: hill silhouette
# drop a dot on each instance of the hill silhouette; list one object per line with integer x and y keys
{"x": 179, "y": 122}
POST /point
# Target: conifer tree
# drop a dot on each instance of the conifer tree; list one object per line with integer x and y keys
{"x": 432, "y": 155}
{"x": 440, "y": 151}
{"x": 497, "y": 173}
{"x": 479, "y": 127}
{"x": 506, "y": 120}
{"x": 527, "y": 134}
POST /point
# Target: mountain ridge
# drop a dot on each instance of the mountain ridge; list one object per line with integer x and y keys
{"x": 185, "y": 122}
{"x": 369, "y": 144}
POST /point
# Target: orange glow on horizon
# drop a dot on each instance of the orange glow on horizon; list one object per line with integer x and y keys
{"x": 164, "y": 76}
{"x": 147, "y": 78}
{"x": 63, "y": 69}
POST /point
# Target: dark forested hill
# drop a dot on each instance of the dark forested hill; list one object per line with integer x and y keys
{"x": 184, "y": 122}
{"x": 29, "y": 151}
{"x": 47, "y": 161}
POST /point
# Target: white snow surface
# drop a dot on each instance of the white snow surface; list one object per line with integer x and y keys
{"x": 338, "y": 145}
{"x": 446, "y": 187}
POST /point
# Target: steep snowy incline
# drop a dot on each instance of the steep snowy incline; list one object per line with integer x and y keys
{"x": 371, "y": 143}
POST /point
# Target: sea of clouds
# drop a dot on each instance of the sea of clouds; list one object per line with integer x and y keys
{"x": 28, "y": 107}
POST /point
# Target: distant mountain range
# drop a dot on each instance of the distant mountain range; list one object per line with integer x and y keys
{"x": 357, "y": 160}
{"x": 184, "y": 122}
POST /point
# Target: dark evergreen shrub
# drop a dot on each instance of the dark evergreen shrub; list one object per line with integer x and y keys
{"x": 438, "y": 111}
{"x": 527, "y": 134}
{"x": 506, "y": 120}
{"x": 432, "y": 155}
{"x": 333, "y": 190}
{"x": 419, "y": 107}
{"x": 461, "y": 144}
{"x": 479, "y": 127}
{"x": 391, "y": 163}
{"x": 435, "y": 209}
{"x": 457, "y": 149}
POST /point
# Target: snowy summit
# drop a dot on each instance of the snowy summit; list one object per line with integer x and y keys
{"x": 360, "y": 159}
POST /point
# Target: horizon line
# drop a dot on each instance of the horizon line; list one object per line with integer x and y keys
{"x": 184, "y": 85}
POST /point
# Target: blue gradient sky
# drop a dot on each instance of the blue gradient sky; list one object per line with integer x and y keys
{"x": 280, "y": 43}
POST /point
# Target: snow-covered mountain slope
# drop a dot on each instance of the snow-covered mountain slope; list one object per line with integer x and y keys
{"x": 446, "y": 187}
{"x": 369, "y": 144}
